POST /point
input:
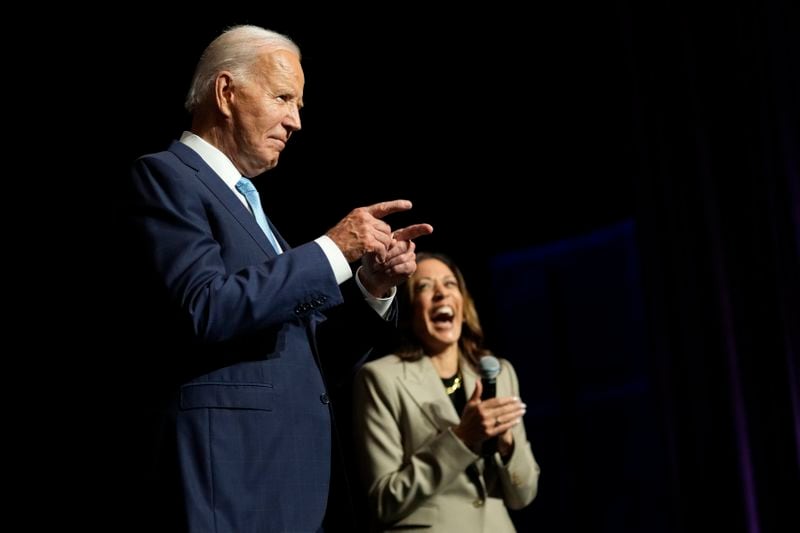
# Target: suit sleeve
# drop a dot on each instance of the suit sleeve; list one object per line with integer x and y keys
{"x": 170, "y": 218}
{"x": 520, "y": 476}
{"x": 398, "y": 485}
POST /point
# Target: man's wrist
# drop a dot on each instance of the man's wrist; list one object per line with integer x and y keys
{"x": 381, "y": 292}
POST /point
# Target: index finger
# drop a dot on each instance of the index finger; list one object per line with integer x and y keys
{"x": 412, "y": 232}
{"x": 381, "y": 209}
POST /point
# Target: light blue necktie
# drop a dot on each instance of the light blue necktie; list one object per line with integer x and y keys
{"x": 246, "y": 187}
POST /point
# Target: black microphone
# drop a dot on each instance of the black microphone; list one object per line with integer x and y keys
{"x": 490, "y": 368}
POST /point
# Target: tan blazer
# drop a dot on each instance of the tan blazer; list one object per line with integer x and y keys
{"x": 417, "y": 472}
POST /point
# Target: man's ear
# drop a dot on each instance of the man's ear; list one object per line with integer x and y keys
{"x": 224, "y": 92}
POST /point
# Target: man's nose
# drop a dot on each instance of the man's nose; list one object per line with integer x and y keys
{"x": 292, "y": 120}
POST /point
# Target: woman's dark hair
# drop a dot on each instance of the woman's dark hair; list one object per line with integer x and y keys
{"x": 471, "y": 341}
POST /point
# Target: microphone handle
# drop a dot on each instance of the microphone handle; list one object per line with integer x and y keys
{"x": 489, "y": 388}
{"x": 489, "y": 391}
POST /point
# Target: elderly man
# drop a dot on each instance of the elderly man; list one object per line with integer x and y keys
{"x": 244, "y": 324}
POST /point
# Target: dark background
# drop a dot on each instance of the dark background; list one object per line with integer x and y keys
{"x": 505, "y": 131}
{"x": 618, "y": 182}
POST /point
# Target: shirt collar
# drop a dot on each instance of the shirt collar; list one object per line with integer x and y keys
{"x": 213, "y": 157}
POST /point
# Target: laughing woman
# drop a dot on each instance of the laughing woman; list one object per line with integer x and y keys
{"x": 432, "y": 453}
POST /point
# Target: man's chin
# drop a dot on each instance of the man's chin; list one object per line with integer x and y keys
{"x": 268, "y": 165}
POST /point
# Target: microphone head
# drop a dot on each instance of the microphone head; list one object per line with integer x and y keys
{"x": 490, "y": 367}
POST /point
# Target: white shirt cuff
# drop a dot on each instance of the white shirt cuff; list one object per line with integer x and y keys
{"x": 380, "y": 305}
{"x": 337, "y": 260}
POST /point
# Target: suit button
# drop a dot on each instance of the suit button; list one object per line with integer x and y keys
{"x": 324, "y": 398}
{"x": 477, "y": 503}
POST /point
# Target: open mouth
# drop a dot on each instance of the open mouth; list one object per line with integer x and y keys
{"x": 443, "y": 315}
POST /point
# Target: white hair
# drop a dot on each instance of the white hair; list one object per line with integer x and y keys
{"x": 236, "y": 50}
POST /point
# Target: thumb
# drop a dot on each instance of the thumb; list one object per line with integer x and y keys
{"x": 476, "y": 394}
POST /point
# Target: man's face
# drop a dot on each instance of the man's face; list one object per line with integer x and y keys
{"x": 265, "y": 111}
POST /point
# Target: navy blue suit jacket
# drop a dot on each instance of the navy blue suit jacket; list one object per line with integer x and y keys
{"x": 238, "y": 337}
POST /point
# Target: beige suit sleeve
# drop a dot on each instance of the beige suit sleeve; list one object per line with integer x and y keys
{"x": 520, "y": 476}
{"x": 398, "y": 482}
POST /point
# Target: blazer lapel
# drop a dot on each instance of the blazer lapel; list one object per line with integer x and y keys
{"x": 475, "y": 472}
{"x": 423, "y": 384}
{"x": 284, "y": 245}
{"x": 226, "y": 197}
{"x": 469, "y": 376}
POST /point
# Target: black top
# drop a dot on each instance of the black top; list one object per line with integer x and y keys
{"x": 454, "y": 386}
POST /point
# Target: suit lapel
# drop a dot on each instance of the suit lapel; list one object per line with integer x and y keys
{"x": 425, "y": 388}
{"x": 284, "y": 245}
{"x": 469, "y": 377}
{"x": 226, "y": 197}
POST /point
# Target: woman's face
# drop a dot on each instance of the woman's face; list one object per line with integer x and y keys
{"x": 437, "y": 306}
